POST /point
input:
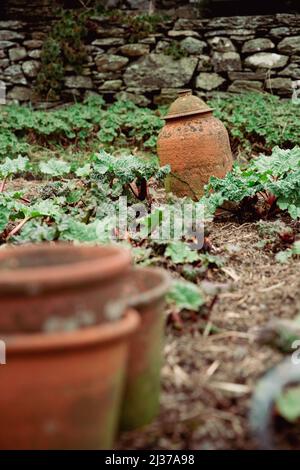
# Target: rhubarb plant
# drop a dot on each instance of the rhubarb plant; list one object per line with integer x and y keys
{"x": 268, "y": 184}
{"x": 11, "y": 167}
{"x": 68, "y": 208}
{"x": 283, "y": 256}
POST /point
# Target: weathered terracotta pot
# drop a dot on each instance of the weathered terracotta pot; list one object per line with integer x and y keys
{"x": 195, "y": 144}
{"x": 145, "y": 292}
{"x": 64, "y": 390}
{"x": 56, "y": 287}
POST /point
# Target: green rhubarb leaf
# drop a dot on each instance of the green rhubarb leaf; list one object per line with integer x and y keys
{"x": 180, "y": 253}
{"x": 55, "y": 167}
{"x": 13, "y": 166}
{"x": 4, "y": 217}
{"x": 296, "y": 248}
{"x": 283, "y": 256}
{"x": 288, "y": 404}
{"x": 83, "y": 171}
{"x": 46, "y": 208}
{"x": 185, "y": 295}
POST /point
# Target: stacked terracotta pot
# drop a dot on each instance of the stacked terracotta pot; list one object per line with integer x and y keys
{"x": 83, "y": 332}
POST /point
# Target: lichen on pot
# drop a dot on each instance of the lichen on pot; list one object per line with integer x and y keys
{"x": 55, "y": 287}
{"x": 144, "y": 292}
{"x": 64, "y": 390}
{"x": 195, "y": 144}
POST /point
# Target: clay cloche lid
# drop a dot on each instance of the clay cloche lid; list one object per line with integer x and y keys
{"x": 187, "y": 104}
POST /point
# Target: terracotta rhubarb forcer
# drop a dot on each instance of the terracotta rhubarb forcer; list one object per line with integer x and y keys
{"x": 55, "y": 287}
{"x": 195, "y": 144}
{"x": 64, "y": 390}
{"x": 145, "y": 292}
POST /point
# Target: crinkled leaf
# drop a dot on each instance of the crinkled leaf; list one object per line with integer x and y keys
{"x": 55, "y": 167}
{"x": 180, "y": 252}
{"x": 12, "y": 166}
{"x": 83, "y": 171}
{"x": 288, "y": 404}
{"x": 185, "y": 295}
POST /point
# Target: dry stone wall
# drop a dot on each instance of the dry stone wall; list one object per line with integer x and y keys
{"x": 230, "y": 54}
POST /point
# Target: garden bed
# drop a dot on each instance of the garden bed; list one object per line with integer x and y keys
{"x": 208, "y": 380}
{"x": 247, "y": 272}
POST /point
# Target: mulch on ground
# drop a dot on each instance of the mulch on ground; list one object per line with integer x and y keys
{"x": 208, "y": 379}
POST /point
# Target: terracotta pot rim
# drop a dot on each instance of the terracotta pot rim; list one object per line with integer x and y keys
{"x": 102, "y": 262}
{"x": 191, "y": 113}
{"x": 157, "y": 292}
{"x": 109, "y": 332}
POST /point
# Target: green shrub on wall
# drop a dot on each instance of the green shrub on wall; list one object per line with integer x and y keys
{"x": 64, "y": 46}
{"x": 176, "y": 51}
{"x": 137, "y": 26}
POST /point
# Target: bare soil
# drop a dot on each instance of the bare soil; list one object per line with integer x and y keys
{"x": 208, "y": 379}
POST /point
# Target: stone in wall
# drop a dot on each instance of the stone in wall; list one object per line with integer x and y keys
{"x": 111, "y": 85}
{"x": 174, "y": 34}
{"x": 292, "y": 70}
{"x": 14, "y": 74}
{"x": 3, "y": 64}
{"x": 39, "y": 35}
{"x": 9, "y": 24}
{"x": 166, "y": 96}
{"x": 279, "y": 32}
{"x": 288, "y": 19}
{"x": 104, "y": 32}
{"x": 110, "y": 62}
{"x": 193, "y": 46}
{"x": 290, "y": 45}
{"x": 242, "y": 34}
{"x": 78, "y": 82}
{"x": 221, "y": 44}
{"x": 157, "y": 71}
{"x": 241, "y": 86}
{"x": 183, "y": 24}
{"x": 161, "y": 46}
{"x": 134, "y": 50}
{"x": 266, "y": 60}
{"x": 6, "y": 44}
{"x": 282, "y": 86}
{"x": 31, "y": 68}
{"x": 149, "y": 40}
{"x": 17, "y": 53}
{"x": 137, "y": 98}
{"x": 226, "y": 61}
{"x": 238, "y": 22}
{"x": 259, "y": 74}
{"x": 7, "y": 35}
{"x": 209, "y": 81}
{"x": 19, "y": 93}
{"x": 108, "y": 42}
{"x": 33, "y": 44}
{"x": 35, "y": 54}
{"x": 241, "y": 38}
{"x": 257, "y": 45}
{"x": 99, "y": 78}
